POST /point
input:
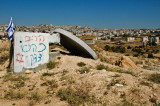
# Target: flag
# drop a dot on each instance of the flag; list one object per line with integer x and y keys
{"x": 10, "y": 29}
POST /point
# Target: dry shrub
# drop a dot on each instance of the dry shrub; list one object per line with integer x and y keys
{"x": 78, "y": 96}
{"x": 4, "y": 45}
{"x": 84, "y": 70}
{"x": 154, "y": 78}
{"x": 51, "y": 64}
{"x": 35, "y": 96}
{"x": 50, "y": 83}
{"x": 17, "y": 77}
{"x": 81, "y": 64}
{"x": 4, "y": 57}
{"x": 13, "y": 95}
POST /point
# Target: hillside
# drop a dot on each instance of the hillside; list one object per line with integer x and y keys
{"x": 76, "y": 81}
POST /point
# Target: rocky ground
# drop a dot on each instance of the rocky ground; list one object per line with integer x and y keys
{"x": 72, "y": 80}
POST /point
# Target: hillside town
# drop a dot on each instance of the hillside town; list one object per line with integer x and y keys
{"x": 150, "y": 35}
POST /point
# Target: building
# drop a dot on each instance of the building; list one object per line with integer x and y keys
{"x": 153, "y": 39}
{"x": 130, "y": 39}
{"x": 89, "y": 41}
{"x": 145, "y": 39}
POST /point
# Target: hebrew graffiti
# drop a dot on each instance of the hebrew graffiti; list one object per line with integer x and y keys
{"x": 39, "y": 38}
{"x": 19, "y": 57}
{"x": 32, "y": 49}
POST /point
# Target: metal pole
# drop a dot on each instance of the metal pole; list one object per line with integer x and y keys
{"x": 11, "y": 53}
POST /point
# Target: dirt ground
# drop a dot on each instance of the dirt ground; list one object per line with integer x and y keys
{"x": 80, "y": 81}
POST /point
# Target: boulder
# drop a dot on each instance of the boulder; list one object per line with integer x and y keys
{"x": 126, "y": 62}
{"x": 28, "y": 72}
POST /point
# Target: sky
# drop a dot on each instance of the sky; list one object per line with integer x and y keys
{"x": 100, "y": 14}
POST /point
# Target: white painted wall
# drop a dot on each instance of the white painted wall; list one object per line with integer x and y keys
{"x": 32, "y": 49}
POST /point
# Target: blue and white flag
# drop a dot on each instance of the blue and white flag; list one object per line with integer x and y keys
{"x": 10, "y": 29}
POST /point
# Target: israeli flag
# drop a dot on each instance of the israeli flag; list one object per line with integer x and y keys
{"x": 10, "y": 29}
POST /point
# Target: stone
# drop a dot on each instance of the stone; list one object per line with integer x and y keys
{"x": 119, "y": 85}
{"x": 28, "y": 72}
{"x": 126, "y": 62}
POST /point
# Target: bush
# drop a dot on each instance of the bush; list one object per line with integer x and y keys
{"x": 13, "y": 95}
{"x": 51, "y": 64}
{"x": 150, "y": 55}
{"x": 84, "y": 70}
{"x": 115, "y": 49}
{"x": 4, "y": 58}
{"x": 129, "y": 47}
{"x": 107, "y": 47}
{"x": 81, "y": 64}
{"x": 35, "y": 96}
{"x": 50, "y": 83}
{"x": 48, "y": 74}
{"x": 145, "y": 83}
{"x": 11, "y": 77}
{"x": 75, "y": 97}
{"x": 100, "y": 67}
{"x": 137, "y": 50}
{"x": 122, "y": 50}
{"x": 154, "y": 78}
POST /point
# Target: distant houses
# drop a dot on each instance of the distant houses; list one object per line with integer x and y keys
{"x": 151, "y": 40}
{"x": 89, "y": 41}
{"x": 130, "y": 39}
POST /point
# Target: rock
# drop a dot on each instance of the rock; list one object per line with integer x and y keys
{"x": 28, "y": 72}
{"x": 119, "y": 85}
{"x": 126, "y": 62}
{"x": 153, "y": 99}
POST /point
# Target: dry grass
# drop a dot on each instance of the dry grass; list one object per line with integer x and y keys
{"x": 51, "y": 64}
{"x": 154, "y": 78}
{"x": 79, "y": 96}
{"x": 3, "y": 58}
{"x": 84, "y": 70}
{"x": 16, "y": 77}
{"x": 13, "y": 94}
{"x": 81, "y": 64}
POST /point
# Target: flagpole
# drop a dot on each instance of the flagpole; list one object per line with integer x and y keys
{"x": 10, "y": 54}
{"x": 10, "y": 31}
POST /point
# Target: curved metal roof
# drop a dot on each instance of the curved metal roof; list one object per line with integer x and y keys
{"x": 75, "y": 45}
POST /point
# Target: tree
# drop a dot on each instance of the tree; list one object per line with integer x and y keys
{"x": 107, "y": 47}
{"x": 150, "y": 55}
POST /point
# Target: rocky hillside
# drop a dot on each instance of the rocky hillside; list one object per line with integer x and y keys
{"x": 72, "y": 80}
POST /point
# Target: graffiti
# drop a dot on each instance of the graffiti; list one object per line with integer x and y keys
{"x": 25, "y": 48}
{"x": 19, "y": 57}
{"x": 35, "y": 58}
{"x": 33, "y": 47}
{"x": 31, "y": 50}
{"x": 39, "y": 38}
{"x": 43, "y": 46}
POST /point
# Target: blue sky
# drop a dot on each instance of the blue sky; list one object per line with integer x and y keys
{"x": 109, "y": 14}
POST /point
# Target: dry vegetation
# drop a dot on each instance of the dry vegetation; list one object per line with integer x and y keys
{"x": 72, "y": 80}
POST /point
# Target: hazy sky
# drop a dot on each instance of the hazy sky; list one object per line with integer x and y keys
{"x": 94, "y": 13}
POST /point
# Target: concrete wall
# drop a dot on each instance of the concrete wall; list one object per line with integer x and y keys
{"x": 32, "y": 49}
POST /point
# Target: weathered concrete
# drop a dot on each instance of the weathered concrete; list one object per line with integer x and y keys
{"x": 75, "y": 45}
{"x": 31, "y": 50}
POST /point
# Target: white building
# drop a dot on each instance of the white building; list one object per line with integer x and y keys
{"x": 154, "y": 40}
{"x": 145, "y": 39}
{"x": 130, "y": 39}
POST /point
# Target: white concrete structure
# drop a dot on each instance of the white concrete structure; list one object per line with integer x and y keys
{"x": 75, "y": 45}
{"x": 32, "y": 49}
